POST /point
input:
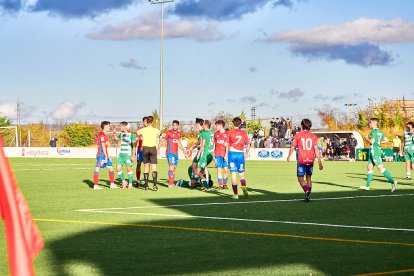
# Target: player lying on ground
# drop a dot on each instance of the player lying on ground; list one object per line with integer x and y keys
{"x": 195, "y": 179}
{"x": 102, "y": 158}
{"x": 305, "y": 144}
{"x": 126, "y": 154}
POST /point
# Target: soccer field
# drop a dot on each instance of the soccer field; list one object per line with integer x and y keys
{"x": 342, "y": 231}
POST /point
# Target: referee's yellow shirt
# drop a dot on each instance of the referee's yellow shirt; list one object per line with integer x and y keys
{"x": 150, "y": 136}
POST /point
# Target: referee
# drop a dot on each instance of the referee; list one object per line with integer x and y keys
{"x": 150, "y": 137}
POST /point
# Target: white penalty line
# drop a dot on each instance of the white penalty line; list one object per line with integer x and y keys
{"x": 113, "y": 211}
{"x": 247, "y": 202}
{"x": 256, "y": 220}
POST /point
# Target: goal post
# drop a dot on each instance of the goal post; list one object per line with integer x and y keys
{"x": 10, "y": 136}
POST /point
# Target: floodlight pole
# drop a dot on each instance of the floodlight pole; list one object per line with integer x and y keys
{"x": 161, "y": 111}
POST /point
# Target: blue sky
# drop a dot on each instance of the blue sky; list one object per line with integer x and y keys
{"x": 99, "y": 59}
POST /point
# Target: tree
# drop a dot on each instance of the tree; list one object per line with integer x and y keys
{"x": 243, "y": 116}
{"x": 362, "y": 119}
{"x": 327, "y": 117}
{"x": 226, "y": 117}
{"x": 253, "y": 126}
{"x": 78, "y": 135}
{"x": 4, "y": 122}
{"x": 8, "y": 134}
{"x": 39, "y": 135}
{"x": 156, "y": 122}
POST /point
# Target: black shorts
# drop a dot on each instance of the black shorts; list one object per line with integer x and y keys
{"x": 149, "y": 155}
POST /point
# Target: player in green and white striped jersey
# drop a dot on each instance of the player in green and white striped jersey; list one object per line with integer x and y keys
{"x": 375, "y": 138}
{"x": 127, "y": 153}
{"x": 409, "y": 148}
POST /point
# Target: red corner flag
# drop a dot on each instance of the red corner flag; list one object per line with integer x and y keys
{"x": 23, "y": 238}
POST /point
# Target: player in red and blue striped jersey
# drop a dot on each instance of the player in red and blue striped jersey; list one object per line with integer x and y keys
{"x": 305, "y": 143}
{"x": 238, "y": 150}
{"x": 102, "y": 158}
{"x": 221, "y": 140}
{"x": 173, "y": 139}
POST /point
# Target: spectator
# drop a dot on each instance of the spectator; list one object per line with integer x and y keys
{"x": 396, "y": 146}
{"x": 53, "y": 143}
{"x": 330, "y": 149}
{"x": 337, "y": 146}
{"x": 267, "y": 142}
{"x": 352, "y": 142}
{"x": 261, "y": 143}
{"x": 283, "y": 129}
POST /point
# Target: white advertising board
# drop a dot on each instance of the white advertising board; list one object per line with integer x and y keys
{"x": 255, "y": 154}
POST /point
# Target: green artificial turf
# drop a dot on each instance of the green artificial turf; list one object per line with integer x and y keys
{"x": 264, "y": 233}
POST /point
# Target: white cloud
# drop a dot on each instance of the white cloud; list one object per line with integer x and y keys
{"x": 355, "y": 32}
{"x": 148, "y": 27}
{"x": 9, "y": 109}
{"x": 66, "y": 110}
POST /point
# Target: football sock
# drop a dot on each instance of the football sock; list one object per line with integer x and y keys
{"x": 370, "y": 176}
{"x": 138, "y": 173}
{"x": 186, "y": 183}
{"x": 220, "y": 181}
{"x": 205, "y": 183}
{"x": 225, "y": 180}
{"x": 234, "y": 189}
{"x": 130, "y": 176}
{"x": 111, "y": 177}
{"x": 154, "y": 178}
{"x": 146, "y": 176}
{"x": 95, "y": 178}
{"x": 409, "y": 174}
{"x": 388, "y": 175}
{"x": 305, "y": 188}
{"x": 171, "y": 177}
{"x": 121, "y": 176}
{"x": 243, "y": 182}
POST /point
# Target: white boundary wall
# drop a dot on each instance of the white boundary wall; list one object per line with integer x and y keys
{"x": 255, "y": 154}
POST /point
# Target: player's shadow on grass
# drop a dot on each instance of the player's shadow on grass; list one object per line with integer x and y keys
{"x": 90, "y": 183}
{"x": 377, "y": 178}
{"x": 335, "y": 185}
{"x": 207, "y": 246}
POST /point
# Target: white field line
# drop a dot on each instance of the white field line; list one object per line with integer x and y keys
{"x": 47, "y": 165}
{"x": 60, "y": 169}
{"x": 257, "y": 220}
{"x": 113, "y": 211}
{"x": 248, "y": 202}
